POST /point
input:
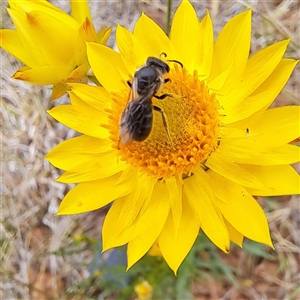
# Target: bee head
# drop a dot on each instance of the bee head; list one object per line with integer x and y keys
{"x": 158, "y": 64}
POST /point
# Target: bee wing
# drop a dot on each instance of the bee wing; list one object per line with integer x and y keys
{"x": 125, "y": 136}
{"x": 133, "y": 91}
{"x": 127, "y": 120}
{"x": 126, "y": 132}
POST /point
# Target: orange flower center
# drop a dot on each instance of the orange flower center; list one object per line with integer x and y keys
{"x": 192, "y": 119}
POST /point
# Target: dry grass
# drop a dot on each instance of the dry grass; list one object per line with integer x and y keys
{"x": 30, "y": 233}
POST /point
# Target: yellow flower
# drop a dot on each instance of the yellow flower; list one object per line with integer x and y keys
{"x": 224, "y": 144}
{"x": 143, "y": 290}
{"x": 50, "y": 43}
{"x": 154, "y": 250}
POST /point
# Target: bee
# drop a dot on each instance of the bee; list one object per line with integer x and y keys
{"x": 137, "y": 118}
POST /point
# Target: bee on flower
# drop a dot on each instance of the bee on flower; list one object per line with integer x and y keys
{"x": 201, "y": 165}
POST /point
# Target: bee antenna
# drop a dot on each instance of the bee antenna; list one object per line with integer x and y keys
{"x": 163, "y": 54}
{"x": 171, "y": 60}
{"x": 175, "y": 61}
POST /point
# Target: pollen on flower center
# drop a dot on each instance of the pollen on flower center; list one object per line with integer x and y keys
{"x": 192, "y": 122}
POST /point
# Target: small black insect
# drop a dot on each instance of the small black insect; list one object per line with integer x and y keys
{"x": 137, "y": 117}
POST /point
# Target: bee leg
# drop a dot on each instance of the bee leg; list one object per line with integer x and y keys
{"x": 161, "y": 97}
{"x": 160, "y": 110}
{"x": 129, "y": 83}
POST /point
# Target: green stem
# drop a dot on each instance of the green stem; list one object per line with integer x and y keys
{"x": 168, "y": 25}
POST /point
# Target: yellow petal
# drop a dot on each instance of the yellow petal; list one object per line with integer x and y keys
{"x": 270, "y": 128}
{"x": 94, "y": 167}
{"x": 198, "y": 190}
{"x": 152, "y": 37}
{"x": 132, "y": 52}
{"x": 80, "y": 10}
{"x": 56, "y": 49}
{"x": 126, "y": 214}
{"x": 176, "y": 244}
{"x": 216, "y": 84}
{"x": 43, "y": 75}
{"x": 184, "y": 34}
{"x": 263, "y": 96}
{"x": 205, "y": 48}
{"x": 111, "y": 238}
{"x": 157, "y": 211}
{"x": 20, "y": 22}
{"x": 82, "y": 119}
{"x": 108, "y": 67}
{"x": 76, "y": 151}
{"x": 78, "y": 74}
{"x": 92, "y": 195}
{"x": 175, "y": 191}
{"x": 95, "y": 96}
{"x": 241, "y": 210}
{"x": 59, "y": 89}
{"x": 279, "y": 180}
{"x": 140, "y": 189}
{"x": 277, "y": 126}
{"x": 243, "y": 151}
{"x": 26, "y": 6}
{"x": 23, "y": 69}
{"x": 122, "y": 223}
{"x": 232, "y": 48}
{"x": 11, "y": 42}
{"x": 227, "y": 168}
{"x": 259, "y": 67}
{"x": 115, "y": 235}
{"x": 148, "y": 192}
{"x": 235, "y": 236}
{"x": 103, "y": 35}
{"x": 86, "y": 33}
